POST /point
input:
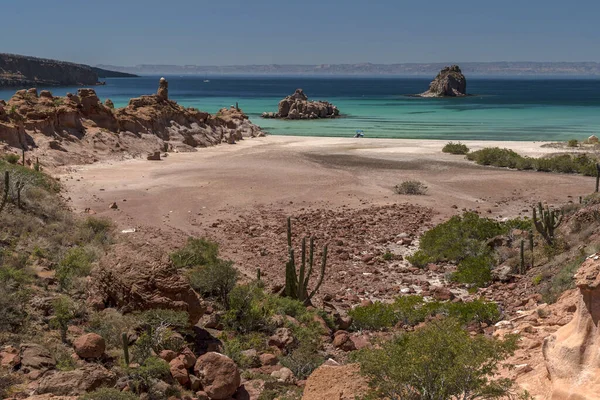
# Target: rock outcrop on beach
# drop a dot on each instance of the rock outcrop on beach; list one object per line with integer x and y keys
{"x": 572, "y": 353}
{"x": 79, "y": 128}
{"x": 450, "y": 82}
{"x": 297, "y": 106}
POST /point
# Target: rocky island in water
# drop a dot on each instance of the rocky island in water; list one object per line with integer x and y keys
{"x": 449, "y": 82}
{"x": 297, "y": 106}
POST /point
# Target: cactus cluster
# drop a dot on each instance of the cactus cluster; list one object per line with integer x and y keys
{"x": 296, "y": 282}
{"x": 547, "y": 222}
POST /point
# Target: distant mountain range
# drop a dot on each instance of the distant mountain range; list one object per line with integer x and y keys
{"x": 426, "y": 69}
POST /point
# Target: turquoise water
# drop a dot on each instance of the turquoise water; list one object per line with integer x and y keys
{"x": 501, "y": 109}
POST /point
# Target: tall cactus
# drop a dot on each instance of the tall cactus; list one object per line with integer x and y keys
{"x": 549, "y": 220}
{"x": 6, "y": 188}
{"x": 296, "y": 282}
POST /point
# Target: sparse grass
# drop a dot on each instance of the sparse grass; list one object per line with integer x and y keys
{"x": 455, "y": 148}
{"x": 12, "y": 158}
{"x": 196, "y": 252}
{"x": 411, "y": 188}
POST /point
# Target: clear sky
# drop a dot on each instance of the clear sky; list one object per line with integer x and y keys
{"x": 227, "y": 32}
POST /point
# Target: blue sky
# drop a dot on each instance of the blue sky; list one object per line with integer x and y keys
{"x": 129, "y": 32}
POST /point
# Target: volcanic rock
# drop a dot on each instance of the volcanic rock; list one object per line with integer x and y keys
{"x": 297, "y": 106}
{"x": 450, "y": 82}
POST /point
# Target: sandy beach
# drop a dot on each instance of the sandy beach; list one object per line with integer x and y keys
{"x": 296, "y": 172}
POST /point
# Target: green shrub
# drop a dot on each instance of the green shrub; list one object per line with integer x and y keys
{"x": 247, "y": 311}
{"x": 455, "y": 148}
{"x": 573, "y": 143}
{"x": 456, "y": 239}
{"x": 12, "y": 158}
{"x": 305, "y": 356}
{"x": 217, "y": 278}
{"x": 495, "y": 156}
{"x": 64, "y": 313}
{"x": 376, "y": 316}
{"x": 412, "y": 310}
{"x": 77, "y": 262}
{"x": 111, "y": 324}
{"x": 153, "y": 369}
{"x": 234, "y": 346}
{"x": 439, "y": 361}
{"x": 96, "y": 230}
{"x": 7, "y": 381}
{"x": 411, "y": 188}
{"x": 475, "y": 270}
{"x": 563, "y": 163}
{"x": 196, "y": 252}
{"x": 109, "y": 394}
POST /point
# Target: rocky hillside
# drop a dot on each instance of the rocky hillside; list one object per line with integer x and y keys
{"x": 78, "y": 128}
{"x": 16, "y": 70}
{"x": 450, "y": 82}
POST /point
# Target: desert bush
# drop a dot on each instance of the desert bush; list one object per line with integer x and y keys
{"x": 152, "y": 369}
{"x": 12, "y": 314}
{"x": 64, "y": 312}
{"x": 234, "y": 346}
{"x": 439, "y": 361}
{"x": 376, "y": 316}
{"x": 111, "y": 324}
{"x": 196, "y": 252}
{"x": 455, "y": 148}
{"x": 456, "y": 239}
{"x": 216, "y": 278}
{"x": 109, "y": 394}
{"x": 563, "y": 163}
{"x": 412, "y": 310}
{"x": 77, "y": 262}
{"x": 573, "y": 143}
{"x": 247, "y": 311}
{"x": 475, "y": 270}
{"x": 305, "y": 355}
{"x": 12, "y": 158}
{"x": 411, "y": 188}
{"x": 95, "y": 230}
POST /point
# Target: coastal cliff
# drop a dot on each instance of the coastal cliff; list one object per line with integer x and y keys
{"x": 78, "y": 128}
{"x": 25, "y": 71}
{"x": 297, "y": 106}
{"x": 450, "y": 82}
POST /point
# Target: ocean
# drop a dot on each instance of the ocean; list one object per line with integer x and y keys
{"x": 499, "y": 108}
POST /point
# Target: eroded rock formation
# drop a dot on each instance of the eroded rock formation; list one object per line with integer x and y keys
{"x": 297, "y": 106}
{"x": 450, "y": 82}
{"x": 83, "y": 124}
{"x": 572, "y": 354}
